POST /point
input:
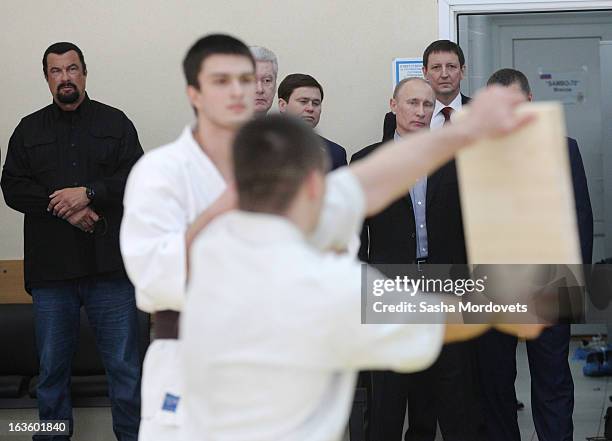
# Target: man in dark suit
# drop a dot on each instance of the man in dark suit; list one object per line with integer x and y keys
{"x": 424, "y": 226}
{"x": 444, "y": 68}
{"x": 302, "y": 96}
{"x": 552, "y": 388}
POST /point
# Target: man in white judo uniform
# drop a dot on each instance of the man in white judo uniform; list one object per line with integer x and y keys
{"x": 271, "y": 332}
{"x": 165, "y": 200}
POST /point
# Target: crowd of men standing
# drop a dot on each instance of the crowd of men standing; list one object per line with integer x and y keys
{"x": 74, "y": 168}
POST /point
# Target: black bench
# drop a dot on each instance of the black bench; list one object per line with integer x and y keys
{"x": 19, "y": 360}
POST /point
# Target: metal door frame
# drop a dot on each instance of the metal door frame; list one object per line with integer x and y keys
{"x": 606, "y": 109}
{"x": 448, "y": 10}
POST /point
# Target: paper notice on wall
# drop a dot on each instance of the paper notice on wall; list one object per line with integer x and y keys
{"x": 569, "y": 87}
{"x": 406, "y": 67}
{"x": 517, "y": 197}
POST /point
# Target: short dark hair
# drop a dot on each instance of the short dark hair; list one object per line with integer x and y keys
{"x": 443, "y": 46}
{"x": 293, "y": 81}
{"x": 272, "y": 157}
{"x": 211, "y": 45}
{"x": 61, "y": 48}
{"x": 507, "y": 77}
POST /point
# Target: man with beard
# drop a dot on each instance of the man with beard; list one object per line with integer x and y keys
{"x": 65, "y": 169}
{"x": 266, "y": 72}
{"x": 170, "y": 196}
{"x": 301, "y": 95}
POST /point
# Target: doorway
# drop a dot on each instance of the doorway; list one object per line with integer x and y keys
{"x": 571, "y": 46}
{"x": 564, "y": 45}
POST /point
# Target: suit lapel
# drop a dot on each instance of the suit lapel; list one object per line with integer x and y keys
{"x": 433, "y": 182}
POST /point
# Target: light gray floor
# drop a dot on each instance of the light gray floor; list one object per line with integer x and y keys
{"x": 591, "y": 400}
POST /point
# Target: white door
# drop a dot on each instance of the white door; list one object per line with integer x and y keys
{"x": 564, "y": 46}
{"x": 567, "y": 47}
{"x": 605, "y": 56}
{"x": 569, "y": 52}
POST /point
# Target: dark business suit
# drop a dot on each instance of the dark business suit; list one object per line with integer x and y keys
{"x": 390, "y": 236}
{"x": 552, "y": 392}
{"x": 445, "y": 391}
{"x": 336, "y": 152}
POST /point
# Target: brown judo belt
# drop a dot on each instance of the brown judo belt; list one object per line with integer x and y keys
{"x": 166, "y": 324}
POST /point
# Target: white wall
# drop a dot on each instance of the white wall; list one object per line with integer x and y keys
{"x": 134, "y": 50}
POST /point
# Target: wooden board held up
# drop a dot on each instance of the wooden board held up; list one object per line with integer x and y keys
{"x": 517, "y": 197}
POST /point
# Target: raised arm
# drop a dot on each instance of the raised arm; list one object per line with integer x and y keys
{"x": 369, "y": 185}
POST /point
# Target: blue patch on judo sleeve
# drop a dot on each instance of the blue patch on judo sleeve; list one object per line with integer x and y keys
{"x": 170, "y": 402}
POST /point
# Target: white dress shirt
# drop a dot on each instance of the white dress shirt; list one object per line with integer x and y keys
{"x": 272, "y": 334}
{"x": 437, "y": 120}
{"x": 418, "y": 199}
